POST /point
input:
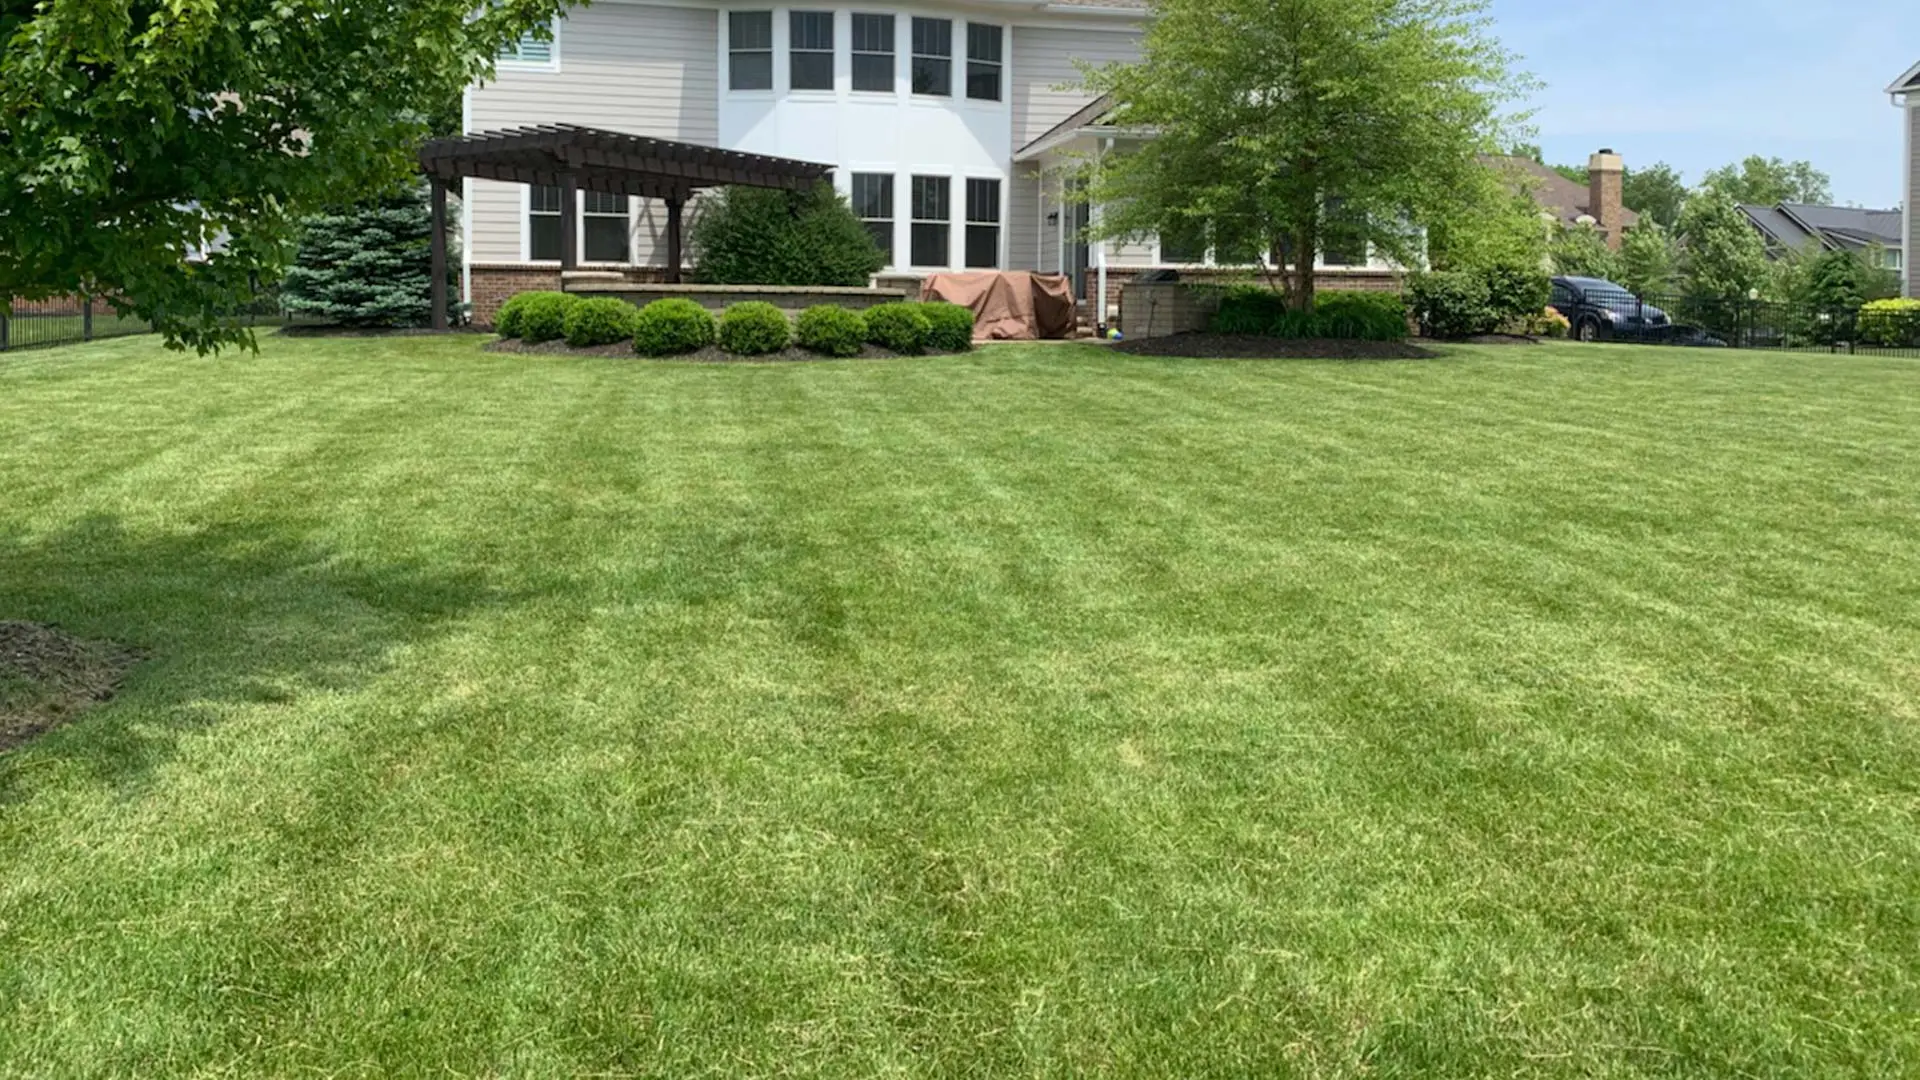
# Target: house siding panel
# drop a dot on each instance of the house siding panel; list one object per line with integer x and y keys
{"x": 635, "y": 68}
{"x": 1913, "y": 197}
{"x": 1046, "y": 80}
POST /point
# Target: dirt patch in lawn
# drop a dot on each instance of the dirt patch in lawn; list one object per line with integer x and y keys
{"x": 708, "y": 355}
{"x": 48, "y": 677}
{"x": 1254, "y": 347}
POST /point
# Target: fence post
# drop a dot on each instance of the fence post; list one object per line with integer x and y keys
{"x": 5, "y": 328}
{"x": 86, "y": 317}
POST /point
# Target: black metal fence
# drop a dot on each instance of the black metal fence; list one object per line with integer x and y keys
{"x": 39, "y": 323}
{"x": 1763, "y": 324}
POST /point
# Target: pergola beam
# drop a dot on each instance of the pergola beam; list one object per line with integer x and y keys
{"x": 577, "y": 159}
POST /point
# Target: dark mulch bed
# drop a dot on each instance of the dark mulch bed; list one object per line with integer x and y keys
{"x": 1501, "y": 339}
{"x": 303, "y": 331}
{"x": 708, "y": 355}
{"x": 48, "y": 677}
{"x": 1255, "y": 347}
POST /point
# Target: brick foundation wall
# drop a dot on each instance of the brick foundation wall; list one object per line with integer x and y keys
{"x": 494, "y": 283}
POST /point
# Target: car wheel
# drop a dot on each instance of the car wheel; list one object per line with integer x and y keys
{"x": 1589, "y": 330}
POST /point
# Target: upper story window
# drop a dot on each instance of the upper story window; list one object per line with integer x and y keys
{"x": 873, "y": 63}
{"x": 531, "y": 50}
{"x": 750, "y": 50}
{"x": 810, "y": 50}
{"x": 933, "y": 57}
{"x": 984, "y": 60}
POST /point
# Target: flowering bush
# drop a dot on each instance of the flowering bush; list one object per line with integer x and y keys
{"x": 1549, "y": 324}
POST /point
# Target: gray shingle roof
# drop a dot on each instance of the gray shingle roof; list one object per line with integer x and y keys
{"x": 1567, "y": 200}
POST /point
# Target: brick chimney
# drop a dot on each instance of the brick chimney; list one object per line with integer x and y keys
{"x": 1606, "y": 195}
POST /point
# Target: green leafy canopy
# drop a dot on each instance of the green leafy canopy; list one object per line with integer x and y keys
{"x": 138, "y": 132}
{"x": 1290, "y": 125}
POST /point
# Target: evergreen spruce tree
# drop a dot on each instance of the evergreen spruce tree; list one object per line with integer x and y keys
{"x": 366, "y": 265}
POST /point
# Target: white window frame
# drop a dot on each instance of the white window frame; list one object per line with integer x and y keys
{"x": 961, "y": 222}
{"x": 965, "y": 61}
{"x": 580, "y": 234}
{"x": 777, "y": 46}
{"x": 551, "y": 63}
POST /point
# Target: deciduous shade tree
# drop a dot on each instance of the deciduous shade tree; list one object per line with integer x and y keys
{"x": 139, "y": 132}
{"x": 1723, "y": 264}
{"x": 365, "y": 265}
{"x": 1657, "y": 193}
{"x": 1767, "y": 181}
{"x": 1647, "y": 259}
{"x": 1296, "y": 127}
{"x": 1580, "y": 251}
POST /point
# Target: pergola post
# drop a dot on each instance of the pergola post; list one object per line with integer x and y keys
{"x": 674, "y": 208}
{"x": 439, "y": 248}
{"x": 569, "y": 222}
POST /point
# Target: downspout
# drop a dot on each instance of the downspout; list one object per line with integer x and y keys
{"x": 1100, "y": 305}
{"x": 1908, "y": 105}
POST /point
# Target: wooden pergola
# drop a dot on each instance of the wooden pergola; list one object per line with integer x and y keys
{"x": 574, "y": 159}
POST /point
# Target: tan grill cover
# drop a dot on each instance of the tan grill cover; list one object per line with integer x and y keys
{"x": 1009, "y": 305}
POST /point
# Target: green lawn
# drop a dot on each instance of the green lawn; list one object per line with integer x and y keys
{"x": 1039, "y": 713}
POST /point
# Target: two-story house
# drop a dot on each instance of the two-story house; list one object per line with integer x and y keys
{"x": 1906, "y": 94}
{"x": 952, "y": 127}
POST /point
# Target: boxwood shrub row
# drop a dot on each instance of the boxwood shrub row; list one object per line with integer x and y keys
{"x": 677, "y": 326}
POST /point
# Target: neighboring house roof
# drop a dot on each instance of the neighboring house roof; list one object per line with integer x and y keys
{"x": 1566, "y": 200}
{"x": 1800, "y": 226}
{"x": 1908, "y": 82}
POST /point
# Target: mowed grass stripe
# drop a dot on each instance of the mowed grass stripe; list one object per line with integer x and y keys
{"x": 1042, "y": 712}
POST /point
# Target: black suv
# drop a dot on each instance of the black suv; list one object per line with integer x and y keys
{"x": 1602, "y": 311}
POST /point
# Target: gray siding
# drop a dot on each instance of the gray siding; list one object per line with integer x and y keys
{"x": 1023, "y": 219}
{"x": 1045, "y": 79}
{"x": 1913, "y": 197}
{"x": 624, "y": 67}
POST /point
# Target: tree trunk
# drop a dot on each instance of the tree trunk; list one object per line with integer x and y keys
{"x": 1306, "y": 244}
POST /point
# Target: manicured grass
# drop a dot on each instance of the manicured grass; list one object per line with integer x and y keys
{"x": 1543, "y": 713}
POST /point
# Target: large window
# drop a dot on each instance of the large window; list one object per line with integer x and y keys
{"x": 983, "y": 62}
{"x": 1222, "y": 242}
{"x": 983, "y": 224}
{"x": 873, "y": 204}
{"x": 1343, "y": 236}
{"x": 750, "y": 50}
{"x": 543, "y": 223}
{"x": 810, "y": 50}
{"x": 1184, "y": 244}
{"x": 932, "y": 200}
{"x": 933, "y": 57}
{"x": 873, "y": 52}
{"x": 605, "y": 227}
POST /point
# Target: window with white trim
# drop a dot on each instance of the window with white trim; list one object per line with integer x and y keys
{"x": 933, "y": 57}
{"x": 605, "y": 228}
{"x": 873, "y": 63}
{"x": 532, "y": 50}
{"x": 543, "y": 223}
{"x": 983, "y": 224}
{"x": 750, "y": 50}
{"x": 984, "y": 59}
{"x": 810, "y": 50}
{"x": 931, "y": 200}
{"x": 872, "y": 200}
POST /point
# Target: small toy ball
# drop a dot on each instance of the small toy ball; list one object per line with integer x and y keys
{"x": 1115, "y": 335}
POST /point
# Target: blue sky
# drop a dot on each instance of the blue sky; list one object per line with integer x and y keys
{"x": 1699, "y": 83}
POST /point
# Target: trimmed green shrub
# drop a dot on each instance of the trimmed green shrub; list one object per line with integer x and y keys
{"x": 950, "y": 326}
{"x": 1891, "y": 324}
{"x": 506, "y": 321}
{"x": 1453, "y": 304}
{"x": 831, "y": 331}
{"x": 1256, "y": 309}
{"x": 899, "y": 326}
{"x": 754, "y": 328}
{"x": 1516, "y": 294}
{"x": 1360, "y": 316}
{"x": 600, "y": 320}
{"x": 672, "y": 328}
{"x": 761, "y": 236}
{"x": 1248, "y": 309}
{"x": 543, "y": 317}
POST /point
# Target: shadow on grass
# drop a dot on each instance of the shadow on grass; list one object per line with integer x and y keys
{"x": 230, "y": 614}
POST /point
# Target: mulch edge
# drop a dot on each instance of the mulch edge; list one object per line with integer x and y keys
{"x": 87, "y": 673}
